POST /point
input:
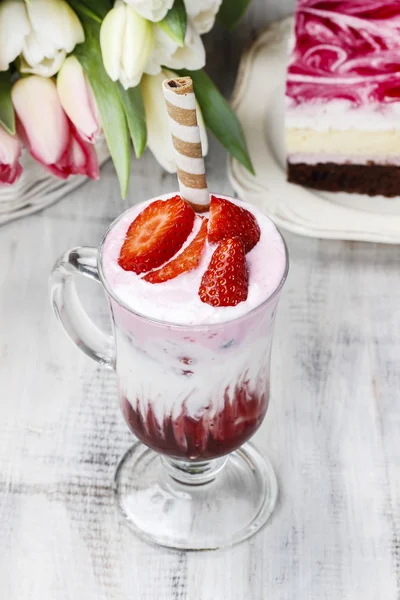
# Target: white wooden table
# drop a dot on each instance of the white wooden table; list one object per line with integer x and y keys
{"x": 332, "y": 430}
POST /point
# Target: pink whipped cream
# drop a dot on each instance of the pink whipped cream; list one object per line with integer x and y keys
{"x": 177, "y": 301}
{"x": 346, "y": 50}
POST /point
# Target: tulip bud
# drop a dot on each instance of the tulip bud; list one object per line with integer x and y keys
{"x": 153, "y": 10}
{"x": 202, "y": 14}
{"x": 41, "y": 32}
{"x": 126, "y": 41}
{"x": 46, "y": 131}
{"x": 77, "y": 99}
{"x": 159, "y": 138}
{"x": 10, "y": 151}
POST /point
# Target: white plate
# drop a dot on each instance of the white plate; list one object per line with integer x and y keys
{"x": 258, "y": 101}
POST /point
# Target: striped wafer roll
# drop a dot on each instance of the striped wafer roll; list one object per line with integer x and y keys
{"x": 181, "y": 107}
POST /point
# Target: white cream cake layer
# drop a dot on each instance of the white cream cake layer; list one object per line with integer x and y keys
{"x": 342, "y": 115}
{"x": 356, "y": 147}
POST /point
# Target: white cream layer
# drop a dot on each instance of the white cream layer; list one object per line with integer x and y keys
{"x": 381, "y": 147}
{"x": 342, "y": 115}
{"x": 154, "y": 375}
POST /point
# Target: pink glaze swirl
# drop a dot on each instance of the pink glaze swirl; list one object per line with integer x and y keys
{"x": 346, "y": 50}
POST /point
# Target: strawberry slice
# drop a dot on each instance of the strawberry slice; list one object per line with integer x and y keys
{"x": 186, "y": 261}
{"x": 225, "y": 282}
{"x": 228, "y": 220}
{"x": 156, "y": 234}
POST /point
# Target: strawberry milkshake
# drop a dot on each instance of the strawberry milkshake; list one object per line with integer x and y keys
{"x": 193, "y": 298}
{"x": 193, "y": 281}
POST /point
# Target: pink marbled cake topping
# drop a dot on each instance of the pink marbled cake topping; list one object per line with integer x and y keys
{"x": 346, "y": 50}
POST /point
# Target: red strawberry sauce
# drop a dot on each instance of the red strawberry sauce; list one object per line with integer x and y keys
{"x": 207, "y": 437}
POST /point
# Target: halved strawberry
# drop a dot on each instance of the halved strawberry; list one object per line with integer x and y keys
{"x": 185, "y": 261}
{"x": 228, "y": 220}
{"x": 225, "y": 282}
{"x": 156, "y": 234}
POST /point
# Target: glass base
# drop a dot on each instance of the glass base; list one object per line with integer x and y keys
{"x": 195, "y": 506}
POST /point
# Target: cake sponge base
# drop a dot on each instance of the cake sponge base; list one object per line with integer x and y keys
{"x": 370, "y": 179}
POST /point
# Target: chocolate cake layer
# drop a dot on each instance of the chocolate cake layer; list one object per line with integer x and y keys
{"x": 370, "y": 179}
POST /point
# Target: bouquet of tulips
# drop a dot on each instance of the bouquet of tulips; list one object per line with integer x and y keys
{"x": 73, "y": 70}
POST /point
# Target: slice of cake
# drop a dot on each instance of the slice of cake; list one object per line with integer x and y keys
{"x": 343, "y": 96}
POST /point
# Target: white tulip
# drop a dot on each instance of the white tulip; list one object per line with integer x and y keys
{"x": 159, "y": 138}
{"x": 14, "y": 27}
{"x": 163, "y": 50}
{"x": 126, "y": 41}
{"x": 153, "y": 10}
{"x": 167, "y": 52}
{"x": 202, "y": 14}
{"x": 192, "y": 56}
{"x": 45, "y": 68}
{"x": 42, "y": 32}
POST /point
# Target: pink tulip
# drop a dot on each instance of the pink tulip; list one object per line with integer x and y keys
{"x": 10, "y": 151}
{"x": 77, "y": 99}
{"x": 47, "y": 132}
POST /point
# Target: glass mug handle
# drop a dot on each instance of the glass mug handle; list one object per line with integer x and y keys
{"x": 69, "y": 310}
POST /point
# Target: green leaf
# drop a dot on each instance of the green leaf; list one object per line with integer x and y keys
{"x": 87, "y": 12}
{"x": 132, "y": 101}
{"x": 174, "y": 23}
{"x": 219, "y": 117}
{"x": 231, "y": 12}
{"x": 94, "y": 9}
{"x": 109, "y": 102}
{"x": 7, "y": 117}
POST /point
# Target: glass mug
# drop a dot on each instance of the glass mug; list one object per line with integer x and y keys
{"x": 192, "y": 395}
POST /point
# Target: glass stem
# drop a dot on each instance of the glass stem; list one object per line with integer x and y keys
{"x": 194, "y": 473}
